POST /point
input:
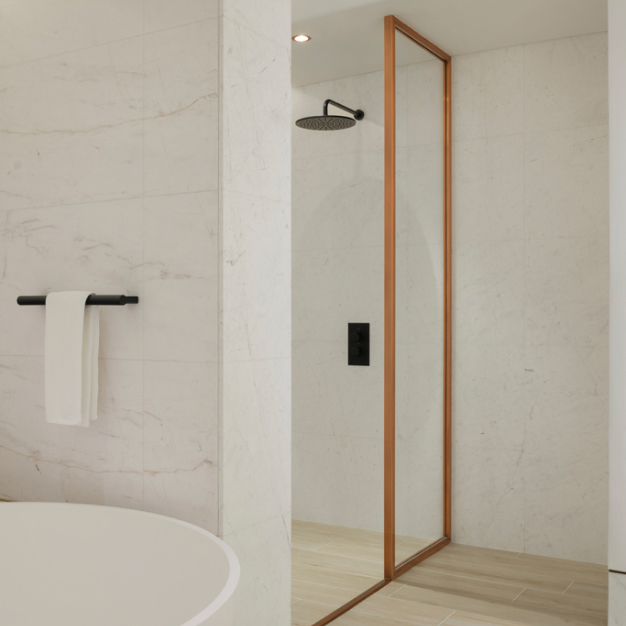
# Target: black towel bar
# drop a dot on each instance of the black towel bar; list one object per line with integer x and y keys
{"x": 92, "y": 299}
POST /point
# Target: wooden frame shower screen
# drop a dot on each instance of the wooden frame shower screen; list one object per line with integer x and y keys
{"x": 392, "y": 26}
{"x": 391, "y": 570}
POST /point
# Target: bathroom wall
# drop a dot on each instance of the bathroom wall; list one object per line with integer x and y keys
{"x": 530, "y": 319}
{"x": 337, "y": 247}
{"x": 109, "y": 184}
{"x": 135, "y": 142}
{"x": 338, "y": 278}
{"x": 255, "y": 304}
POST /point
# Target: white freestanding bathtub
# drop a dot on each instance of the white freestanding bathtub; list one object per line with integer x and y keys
{"x": 83, "y": 565}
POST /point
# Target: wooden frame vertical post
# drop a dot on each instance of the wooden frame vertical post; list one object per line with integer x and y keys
{"x": 390, "y": 298}
{"x": 392, "y": 26}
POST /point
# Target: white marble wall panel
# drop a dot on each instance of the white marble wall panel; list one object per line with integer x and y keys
{"x": 111, "y": 142}
{"x": 181, "y": 134}
{"x": 109, "y": 161}
{"x": 99, "y": 465}
{"x": 162, "y": 14}
{"x": 181, "y": 439}
{"x": 567, "y": 186}
{"x": 564, "y": 460}
{"x": 617, "y": 599}
{"x": 255, "y": 315}
{"x": 95, "y": 246}
{"x": 31, "y": 29}
{"x": 351, "y": 469}
{"x": 333, "y": 396}
{"x": 256, "y": 69}
{"x": 566, "y": 83}
{"x": 488, "y": 182}
{"x": 530, "y": 215}
{"x": 337, "y": 243}
{"x": 487, "y": 444}
{"x": 488, "y": 90}
{"x": 76, "y": 137}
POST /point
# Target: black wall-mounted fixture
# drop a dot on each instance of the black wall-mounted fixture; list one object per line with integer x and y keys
{"x": 331, "y": 122}
{"x": 92, "y": 299}
{"x": 358, "y": 344}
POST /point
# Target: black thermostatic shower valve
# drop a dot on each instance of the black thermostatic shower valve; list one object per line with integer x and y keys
{"x": 358, "y": 344}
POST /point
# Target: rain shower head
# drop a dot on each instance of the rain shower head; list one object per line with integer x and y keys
{"x": 331, "y": 122}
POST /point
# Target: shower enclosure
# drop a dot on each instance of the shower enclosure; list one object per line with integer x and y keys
{"x": 371, "y": 326}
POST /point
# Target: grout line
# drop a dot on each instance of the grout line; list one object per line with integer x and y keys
{"x": 519, "y": 594}
{"x": 396, "y": 591}
{"x": 115, "y": 199}
{"x": 508, "y": 583}
{"x": 446, "y": 618}
{"x": 568, "y": 586}
{"x": 360, "y": 611}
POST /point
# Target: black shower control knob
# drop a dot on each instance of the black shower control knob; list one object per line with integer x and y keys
{"x": 356, "y": 351}
{"x": 356, "y": 335}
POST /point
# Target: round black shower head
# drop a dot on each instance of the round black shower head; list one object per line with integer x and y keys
{"x": 326, "y": 122}
{"x": 331, "y": 122}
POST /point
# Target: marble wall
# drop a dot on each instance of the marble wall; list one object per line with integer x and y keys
{"x": 530, "y": 320}
{"x": 146, "y": 151}
{"x": 337, "y": 246}
{"x": 109, "y": 183}
{"x": 617, "y": 599}
{"x": 255, "y": 304}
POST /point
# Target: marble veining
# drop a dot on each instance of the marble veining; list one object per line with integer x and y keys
{"x": 115, "y": 118}
{"x": 109, "y": 183}
{"x": 530, "y": 279}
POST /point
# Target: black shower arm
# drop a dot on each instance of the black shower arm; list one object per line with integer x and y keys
{"x": 358, "y": 114}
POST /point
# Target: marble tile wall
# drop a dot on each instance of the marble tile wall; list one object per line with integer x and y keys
{"x": 617, "y": 599}
{"x": 255, "y": 303}
{"x": 137, "y": 158}
{"x": 530, "y": 315}
{"x": 531, "y": 298}
{"x": 337, "y": 243}
{"x": 133, "y": 162}
{"x": 109, "y": 183}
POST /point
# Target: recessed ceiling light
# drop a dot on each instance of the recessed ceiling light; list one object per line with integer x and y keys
{"x": 301, "y": 38}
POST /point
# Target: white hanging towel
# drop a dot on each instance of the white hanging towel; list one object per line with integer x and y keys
{"x": 71, "y": 358}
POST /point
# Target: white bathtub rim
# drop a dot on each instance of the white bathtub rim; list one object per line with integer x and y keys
{"x": 234, "y": 571}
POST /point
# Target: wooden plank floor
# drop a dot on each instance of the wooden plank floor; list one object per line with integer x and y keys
{"x": 333, "y": 564}
{"x": 325, "y": 571}
{"x": 459, "y": 586}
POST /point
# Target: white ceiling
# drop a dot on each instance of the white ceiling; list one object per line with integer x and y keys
{"x": 347, "y": 35}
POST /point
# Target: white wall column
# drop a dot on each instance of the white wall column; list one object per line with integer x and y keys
{"x": 255, "y": 303}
